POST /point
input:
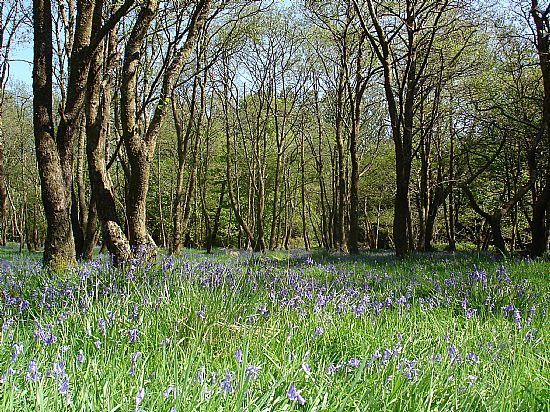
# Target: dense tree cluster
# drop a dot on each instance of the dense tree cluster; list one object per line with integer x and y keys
{"x": 345, "y": 124}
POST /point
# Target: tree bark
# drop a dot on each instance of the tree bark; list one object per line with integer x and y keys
{"x": 98, "y": 109}
{"x": 3, "y": 189}
{"x": 59, "y": 247}
{"x": 541, "y": 201}
{"x": 140, "y": 149}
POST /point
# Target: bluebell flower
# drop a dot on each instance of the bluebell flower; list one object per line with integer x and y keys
{"x": 354, "y": 362}
{"x": 263, "y": 309}
{"x": 318, "y": 331}
{"x": 140, "y": 394}
{"x": 332, "y": 369}
{"x": 59, "y": 369}
{"x": 473, "y": 357}
{"x": 102, "y": 326}
{"x": 470, "y": 312}
{"x": 452, "y": 352}
{"x": 63, "y": 385}
{"x": 239, "y": 355}
{"x": 133, "y": 334}
{"x": 44, "y": 334}
{"x": 135, "y": 355}
{"x": 32, "y": 373}
{"x": 530, "y": 335}
{"x": 171, "y": 390}
{"x": 17, "y": 350}
{"x": 225, "y": 383}
{"x": 252, "y": 372}
{"x": 507, "y": 309}
{"x": 294, "y": 395}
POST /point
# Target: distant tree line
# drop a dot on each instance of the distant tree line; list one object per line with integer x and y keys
{"x": 346, "y": 124}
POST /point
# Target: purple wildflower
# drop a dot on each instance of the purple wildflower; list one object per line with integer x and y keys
{"x": 44, "y": 333}
{"x": 517, "y": 318}
{"x": 133, "y": 334}
{"x": 332, "y": 369}
{"x": 135, "y": 355}
{"x": 239, "y": 355}
{"x": 470, "y": 312}
{"x": 453, "y": 352}
{"x": 252, "y": 371}
{"x": 59, "y": 369}
{"x": 294, "y": 395}
{"x": 225, "y": 383}
{"x": 32, "y": 373}
{"x": 167, "y": 264}
{"x": 263, "y": 309}
{"x": 507, "y": 309}
{"x": 171, "y": 390}
{"x": 102, "y": 326}
{"x": 354, "y": 362}
{"x": 473, "y": 357}
{"x": 80, "y": 356}
{"x": 318, "y": 331}
{"x": 140, "y": 394}
{"x": 17, "y": 350}
{"x": 63, "y": 385}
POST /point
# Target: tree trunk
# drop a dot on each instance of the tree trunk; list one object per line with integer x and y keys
{"x": 275, "y": 215}
{"x": 97, "y": 129}
{"x": 539, "y": 232}
{"x": 59, "y": 249}
{"x": 3, "y": 190}
{"x": 140, "y": 149}
{"x": 340, "y": 171}
{"x": 307, "y": 245}
{"x": 184, "y": 137}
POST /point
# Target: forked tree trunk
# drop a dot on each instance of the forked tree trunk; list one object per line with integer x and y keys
{"x": 59, "y": 247}
{"x": 102, "y": 199}
{"x": 55, "y": 153}
{"x": 141, "y": 148}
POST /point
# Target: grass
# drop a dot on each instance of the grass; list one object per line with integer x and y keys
{"x": 234, "y": 331}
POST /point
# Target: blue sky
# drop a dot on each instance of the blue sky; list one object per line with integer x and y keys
{"x": 21, "y": 63}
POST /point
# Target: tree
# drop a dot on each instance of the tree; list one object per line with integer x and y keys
{"x": 402, "y": 38}
{"x": 541, "y": 196}
{"x": 55, "y": 149}
{"x": 11, "y": 18}
{"x": 140, "y": 147}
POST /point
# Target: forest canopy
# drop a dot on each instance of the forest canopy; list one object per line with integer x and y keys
{"x": 347, "y": 125}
